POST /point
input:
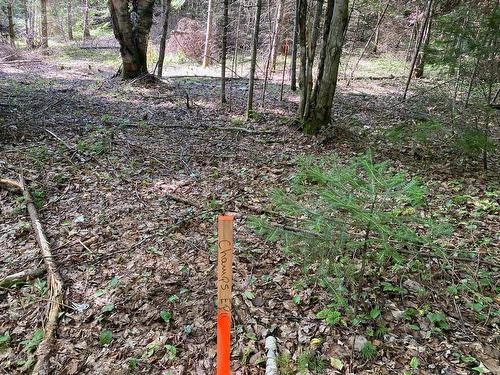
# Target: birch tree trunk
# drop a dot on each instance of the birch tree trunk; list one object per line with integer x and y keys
{"x": 163, "y": 40}
{"x": 320, "y": 112}
{"x": 86, "y": 30}
{"x": 208, "y": 36}
{"x": 253, "y": 61}
{"x": 45, "y": 33}
{"x": 70, "y": 20}
{"x": 131, "y": 26}
{"x": 12, "y": 33}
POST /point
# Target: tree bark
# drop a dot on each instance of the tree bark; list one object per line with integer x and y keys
{"x": 45, "y": 33}
{"x": 277, "y": 33}
{"x": 313, "y": 42}
{"x": 208, "y": 36}
{"x": 320, "y": 113}
{"x": 131, "y": 28}
{"x": 253, "y": 61}
{"x": 163, "y": 40}
{"x": 417, "y": 49}
{"x": 225, "y": 22}
{"x": 303, "y": 56}
{"x": 86, "y": 29}
{"x": 12, "y": 33}
{"x": 293, "y": 65}
{"x": 70, "y": 20}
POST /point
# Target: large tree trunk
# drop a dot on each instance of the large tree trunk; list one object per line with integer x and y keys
{"x": 253, "y": 61}
{"x": 208, "y": 36}
{"x": 321, "y": 64}
{"x": 320, "y": 111}
{"x": 131, "y": 28}
{"x": 12, "y": 33}
{"x": 225, "y": 22}
{"x": 313, "y": 41}
{"x": 45, "y": 32}
{"x": 277, "y": 34}
{"x": 293, "y": 66}
{"x": 86, "y": 29}
{"x": 70, "y": 20}
{"x": 163, "y": 40}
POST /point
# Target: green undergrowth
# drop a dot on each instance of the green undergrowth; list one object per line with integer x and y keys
{"x": 363, "y": 229}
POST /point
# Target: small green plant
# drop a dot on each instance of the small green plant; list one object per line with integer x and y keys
{"x": 331, "y": 317}
{"x": 171, "y": 352}
{"x": 31, "y": 344}
{"x": 438, "y": 319}
{"x": 166, "y": 316}
{"x": 132, "y": 363}
{"x": 4, "y": 339}
{"x": 41, "y": 287}
{"x": 414, "y": 363}
{"x": 369, "y": 351}
{"x": 355, "y": 220}
{"x": 107, "y": 308}
{"x": 310, "y": 361}
{"x": 105, "y": 337}
{"x": 285, "y": 364}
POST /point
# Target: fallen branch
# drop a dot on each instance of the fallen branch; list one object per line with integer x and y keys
{"x": 21, "y": 276}
{"x": 18, "y": 62}
{"x": 224, "y": 128}
{"x": 11, "y": 184}
{"x": 175, "y": 198}
{"x": 54, "y": 282}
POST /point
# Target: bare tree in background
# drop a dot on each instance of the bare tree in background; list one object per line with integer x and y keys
{"x": 225, "y": 22}
{"x": 277, "y": 33}
{"x": 70, "y": 20}
{"x": 208, "y": 36}
{"x": 253, "y": 62}
{"x": 293, "y": 66}
{"x": 12, "y": 33}
{"x": 161, "y": 55}
{"x": 86, "y": 29}
{"x": 45, "y": 32}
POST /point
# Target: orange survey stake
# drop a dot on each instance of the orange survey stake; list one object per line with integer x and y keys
{"x": 224, "y": 293}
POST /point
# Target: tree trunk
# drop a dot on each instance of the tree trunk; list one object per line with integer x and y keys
{"x": 420, "y": 63}
{"x": 163, "y": 40}
{"x": 225, "y": 22}
{"x": 313, "y": 42}
{"x": 321, "y": 64}
{"x": 417, "y": 49}
{"x": 303, "y": 56}
{"x": 208, "y": 36}
{"x": 86, "y": 30}
{"x": 45, "y": 33}
{"x": 277, "y": 34}
{"x": 12, "y": 33}
{"x": 70, "y": 20}
{"x": 293, "y": 65}
{"x": 253, "y": 61}
{"x": 131, "y": 28}
{"x": 320, "y": 113}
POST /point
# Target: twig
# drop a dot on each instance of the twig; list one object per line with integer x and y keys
{"x": 182, "y": 200}
{"x": 25, "y": 275}
{"x": 53, "y": 280}
{"x": 68, "y": 146}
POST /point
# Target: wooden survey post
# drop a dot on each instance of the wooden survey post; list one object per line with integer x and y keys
{"x": 224, "y": 293}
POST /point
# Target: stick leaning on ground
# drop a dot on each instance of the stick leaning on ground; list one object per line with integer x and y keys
{"x": 54, "y": 281}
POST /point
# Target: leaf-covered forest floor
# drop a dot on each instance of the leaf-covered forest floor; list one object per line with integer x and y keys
{"x": 128, "y": 248}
